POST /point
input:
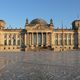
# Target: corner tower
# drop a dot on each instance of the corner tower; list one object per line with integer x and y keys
{"x": 2, "y": 24}
{"x": 76, "y": 28}
{"x": 76, "y": 24}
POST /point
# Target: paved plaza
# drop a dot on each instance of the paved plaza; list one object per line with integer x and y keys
{"x": 40, "y": 65}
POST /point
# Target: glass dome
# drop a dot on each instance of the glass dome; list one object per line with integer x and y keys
{"x": 38, "y": 21}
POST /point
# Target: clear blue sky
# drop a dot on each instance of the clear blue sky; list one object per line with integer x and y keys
{"x": 15, "y": 12}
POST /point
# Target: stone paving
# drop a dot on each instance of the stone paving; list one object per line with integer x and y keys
{"x": 40, "y": 65}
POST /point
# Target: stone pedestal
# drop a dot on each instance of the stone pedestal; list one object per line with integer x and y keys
{"x": 42, "y": 45}
{"x": 32, "y": 46}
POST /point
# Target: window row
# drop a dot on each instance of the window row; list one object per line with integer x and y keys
{"x": 64, "y": 35}
{"x": 64, "y": 42}
{"x": 11, "y": 42}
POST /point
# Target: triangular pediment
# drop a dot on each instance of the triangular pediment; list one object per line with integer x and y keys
{"x": 40, "y": 27}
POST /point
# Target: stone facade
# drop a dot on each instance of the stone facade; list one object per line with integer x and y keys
{"x": 38, "y": 34}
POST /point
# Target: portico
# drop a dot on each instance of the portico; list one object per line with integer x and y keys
{"x": 38, "y": 34}
{"x": 38, "y": 39}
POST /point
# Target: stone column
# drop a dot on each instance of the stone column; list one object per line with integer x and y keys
{"x": 25, "y": 39}
{"x": 32, "y": 45}
{"x": 52, "y": 40}
{"x": 42, "y": 39}
{"x": 37, "y": 39}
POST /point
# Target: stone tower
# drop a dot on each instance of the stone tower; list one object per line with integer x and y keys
{"x": 76, "y": 28}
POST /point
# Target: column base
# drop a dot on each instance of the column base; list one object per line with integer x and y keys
{"x": 52, "y": 46}
{"x": 46, "y": 45}
{"x": 79, "y": 46}
{"x": 32, "y": 46}
{"x": 42, "y": 45}
{"x": 36, "y": 45}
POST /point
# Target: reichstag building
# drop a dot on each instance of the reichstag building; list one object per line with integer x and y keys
{"x": 38, "y": 34}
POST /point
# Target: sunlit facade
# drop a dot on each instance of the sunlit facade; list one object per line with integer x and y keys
{"x": 39, "y": 35}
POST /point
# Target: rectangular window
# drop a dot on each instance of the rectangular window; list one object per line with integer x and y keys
{"x": 69, "y": 41}
{"x": 56, "y": 36}
{"x": 18, "y": 42}
{"x": 5, "y": 42}
{"x": 61, "y": 42}
{"x": 61, "y": 36}
{"x": 9, "y": 42}
{"x": 14, "y": 42}
{"x": 65, "y": 42}
{"x": 56, "y": 42}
